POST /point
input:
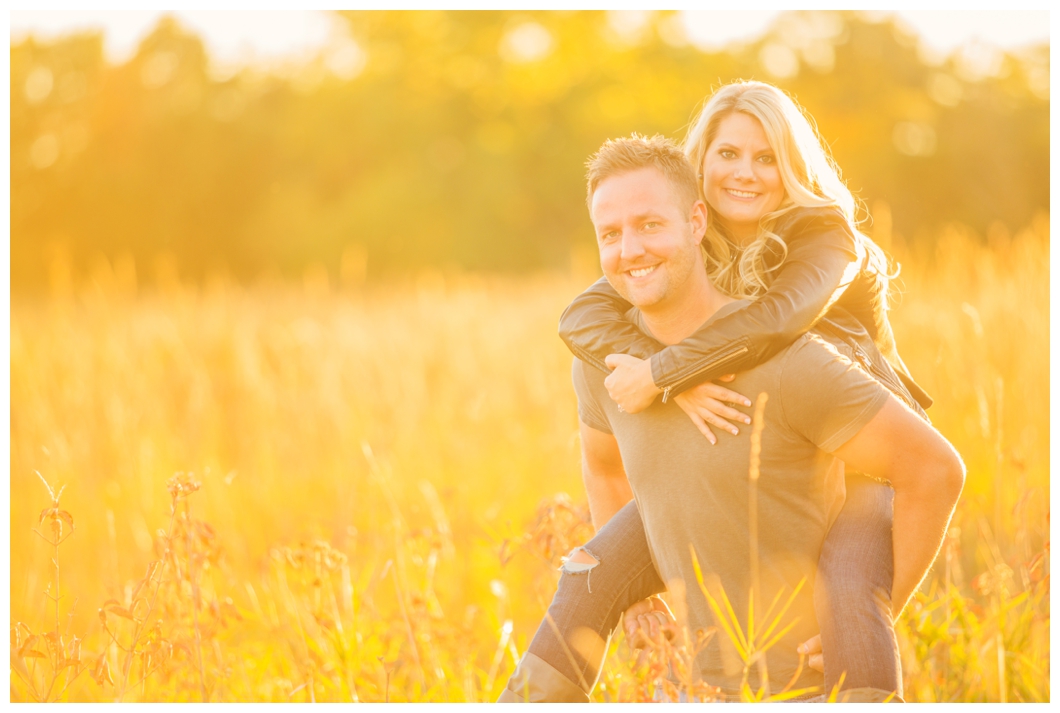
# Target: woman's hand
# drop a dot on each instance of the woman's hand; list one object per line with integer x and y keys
{"x": 646, "y": 621}
{"x": 630, "y": 384}
{"x": 812, "y": 648}
{"x": 708, "y": 404}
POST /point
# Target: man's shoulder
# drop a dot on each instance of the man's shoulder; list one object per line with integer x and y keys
{"x": 585, "y": 373}
{"x": 807, "y": 352}
{"x": 588, "y": 381}
{"x": 592, "y": 396}
{"x": 825, "y": 393}
{"x": 814, "y": 347}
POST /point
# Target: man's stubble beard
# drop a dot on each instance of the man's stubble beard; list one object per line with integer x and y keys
{"x": 677, "y": 273}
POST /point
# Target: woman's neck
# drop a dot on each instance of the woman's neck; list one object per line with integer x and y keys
{"x": 740, "y": 236}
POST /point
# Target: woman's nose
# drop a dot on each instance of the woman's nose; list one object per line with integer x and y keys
{"x": 744, "y": 171}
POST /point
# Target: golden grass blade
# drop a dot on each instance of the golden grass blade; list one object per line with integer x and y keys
{"x": 766, "y": 646}
{"x": 784, "y": 609}
{"x": 730, "y": 627}
{"x": 734, "y": 618}
{"x": 834, "y": 693}
{"x": 772, "y": 605}
{"x": 788, "y": 695}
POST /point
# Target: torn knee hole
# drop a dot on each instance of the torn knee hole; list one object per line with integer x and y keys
{"x": 579, "y": 560}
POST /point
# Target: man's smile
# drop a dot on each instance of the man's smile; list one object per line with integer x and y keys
{"x": 642, "y": 271}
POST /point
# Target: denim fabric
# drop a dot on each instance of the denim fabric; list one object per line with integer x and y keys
{"x": 852, "y": 595}
{"x": 625, "y": 575}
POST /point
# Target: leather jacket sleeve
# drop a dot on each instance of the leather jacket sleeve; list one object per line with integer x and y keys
{"x": 595, "y": 325}
{"x": 822, "y": 260}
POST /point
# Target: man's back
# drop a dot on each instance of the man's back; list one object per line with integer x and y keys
{"x": 694, "y": 495}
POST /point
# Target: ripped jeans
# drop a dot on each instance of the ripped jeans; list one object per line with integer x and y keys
{"x": 851, "y": 597}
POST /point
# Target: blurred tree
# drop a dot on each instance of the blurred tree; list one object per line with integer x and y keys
{"x": 458, "y": 138}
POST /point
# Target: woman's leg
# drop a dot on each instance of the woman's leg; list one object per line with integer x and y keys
{"x": 853, "y": 591}
{"x": 564, "y": 658}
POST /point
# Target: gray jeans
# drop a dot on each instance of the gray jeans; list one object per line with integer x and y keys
{"x": 851, "y": 596}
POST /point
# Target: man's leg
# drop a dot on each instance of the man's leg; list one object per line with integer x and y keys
{"x": 853, "y": 592}
{"x": 600, "y": 581}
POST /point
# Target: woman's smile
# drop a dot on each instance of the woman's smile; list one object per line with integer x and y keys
{"x": 741, "y": 178}
{"x": 742, "y": 195}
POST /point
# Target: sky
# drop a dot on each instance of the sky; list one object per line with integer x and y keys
{"x": 277, "y": 36}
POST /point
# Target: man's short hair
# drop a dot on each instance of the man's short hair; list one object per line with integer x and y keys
{"x": 618, "y": 156}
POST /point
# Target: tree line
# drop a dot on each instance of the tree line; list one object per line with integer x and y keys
{"x": 458, "y": 138}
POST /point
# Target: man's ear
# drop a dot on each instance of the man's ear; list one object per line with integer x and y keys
{"x": 699, "y": 220}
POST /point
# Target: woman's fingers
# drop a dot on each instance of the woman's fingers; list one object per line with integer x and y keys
{"x": 703, "y": 428}
{"x": 725, "y": 411}
{"x": 816, "y": 662}
{"x": 710, "y": 416}
{"x": 722, "y": 394}
{"x": 714, "y": 391}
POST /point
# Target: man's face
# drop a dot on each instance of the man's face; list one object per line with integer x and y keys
{"x": 649, "y": 244}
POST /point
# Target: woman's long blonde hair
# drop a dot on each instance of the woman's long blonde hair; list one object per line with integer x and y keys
{"x": 808, "y": 173}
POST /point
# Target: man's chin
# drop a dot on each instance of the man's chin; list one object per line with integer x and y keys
{"x": 641, "y": 298}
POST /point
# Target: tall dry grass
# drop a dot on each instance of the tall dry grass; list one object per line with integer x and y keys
{"x": 301, "y": 493}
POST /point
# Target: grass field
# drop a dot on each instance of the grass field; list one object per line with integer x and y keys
{"x": 303, "y": 493}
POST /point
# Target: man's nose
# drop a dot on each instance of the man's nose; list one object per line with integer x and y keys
{"x": 631, "y": 246}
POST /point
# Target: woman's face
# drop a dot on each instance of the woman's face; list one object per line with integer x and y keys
{"x": 741, "y": 179}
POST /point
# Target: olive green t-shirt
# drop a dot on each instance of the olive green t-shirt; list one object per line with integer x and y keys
{"x": 692, "y": 495}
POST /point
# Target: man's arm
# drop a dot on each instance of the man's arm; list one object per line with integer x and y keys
{"x": 927, "y": 476}
{"x": 603, "y": 474}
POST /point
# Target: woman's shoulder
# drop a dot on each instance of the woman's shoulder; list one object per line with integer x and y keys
{"x": 811, "y": 221}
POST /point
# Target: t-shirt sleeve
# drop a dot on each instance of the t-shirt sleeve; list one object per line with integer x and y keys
{"x": 589, "y": 409}
{"x": 826, "y": 397}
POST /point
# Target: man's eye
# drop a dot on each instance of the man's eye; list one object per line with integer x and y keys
{"x": 652, "y": 225}
{"x": 608, "y": 237}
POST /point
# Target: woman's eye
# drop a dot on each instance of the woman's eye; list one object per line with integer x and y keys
{"x": 726, "y": 153}
{"x": 766, "y": 159}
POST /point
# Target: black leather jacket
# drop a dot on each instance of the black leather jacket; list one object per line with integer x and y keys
{"x": 826, "y": 271}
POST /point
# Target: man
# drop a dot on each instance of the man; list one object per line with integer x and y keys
{"x": 693, "y": 497}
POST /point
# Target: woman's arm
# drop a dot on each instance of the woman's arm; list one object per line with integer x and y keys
{"x": 594, "y": 325}
{"x": 822, "y": 261}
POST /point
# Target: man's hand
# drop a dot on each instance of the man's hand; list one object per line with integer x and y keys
{"x": 812, "y": 648}
{"x": 630, "y": 384}
{"x": 708, "y": 404}
{"x": 646, "y": 621}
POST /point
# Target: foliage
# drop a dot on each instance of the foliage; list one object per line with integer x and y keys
{"x": 373, "y": 514}
{"x": 457, "y": 138}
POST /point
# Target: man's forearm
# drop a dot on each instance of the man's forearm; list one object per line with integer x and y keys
{"x": 604, "y": 474}
{"x": 927, "y": 476}
{"x": 921, "y": 518}
{"x": 607, "y": 495}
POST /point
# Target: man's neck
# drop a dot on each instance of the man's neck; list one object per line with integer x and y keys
{"x": 676, "y": 319}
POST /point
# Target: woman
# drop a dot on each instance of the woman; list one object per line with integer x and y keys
{"x": 782, "y": 233}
